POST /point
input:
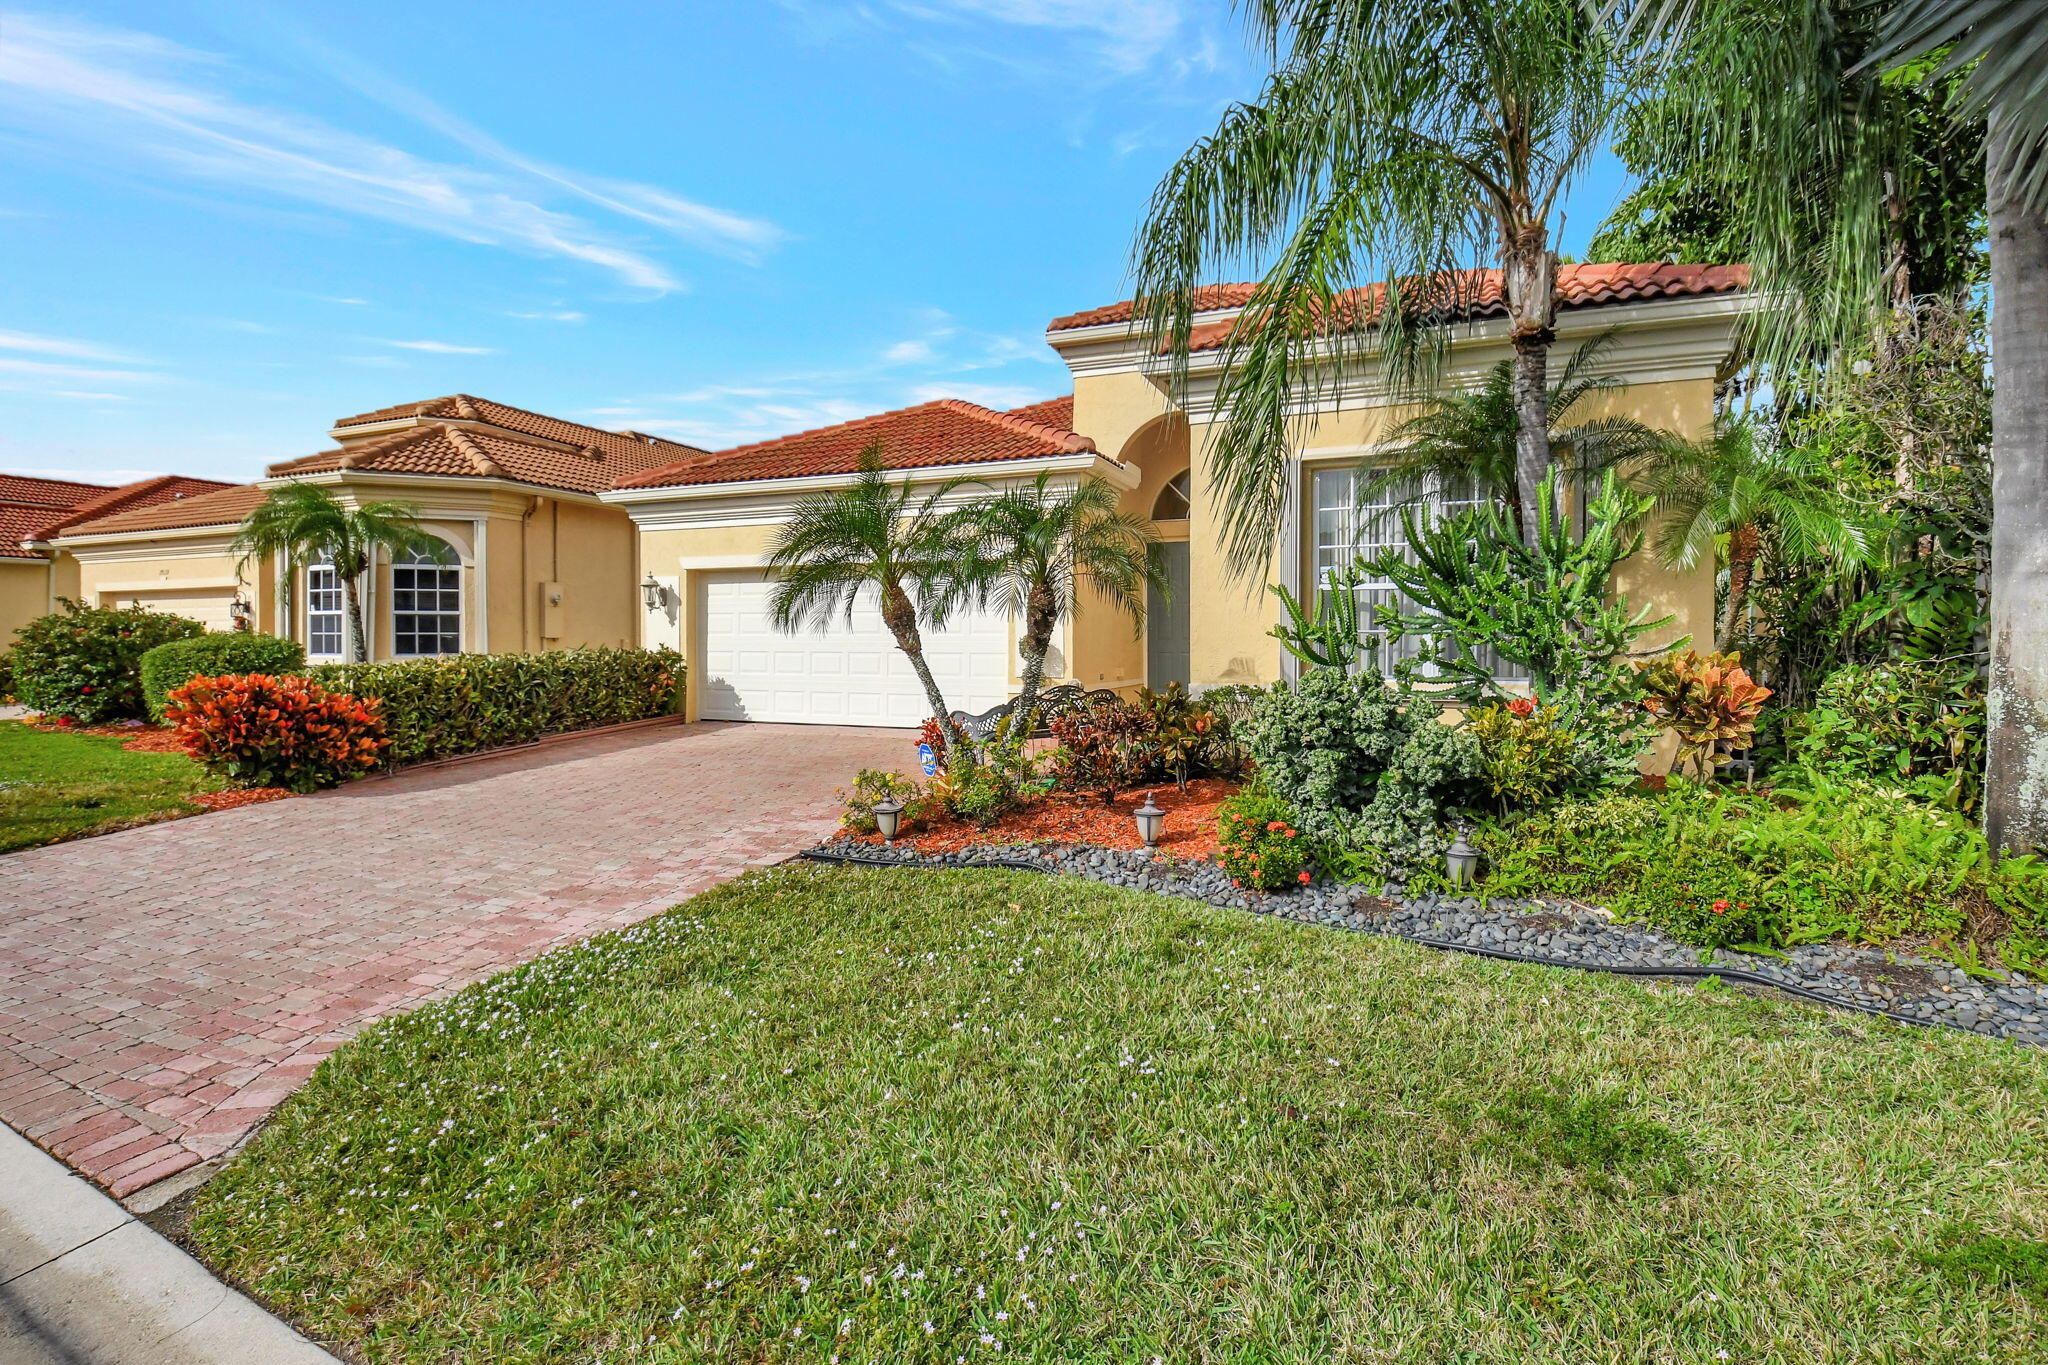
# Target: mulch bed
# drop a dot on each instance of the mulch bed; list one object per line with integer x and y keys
{"x": 239, "y": 796}
{"x": 143, "y": 739}
{"x": 1073, "y": 818}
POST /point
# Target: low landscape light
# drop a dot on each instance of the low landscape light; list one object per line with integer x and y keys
{"x": 1462, "y": 861}
{"x": 1151, "y": 821}
{"x": 888, "y": 818}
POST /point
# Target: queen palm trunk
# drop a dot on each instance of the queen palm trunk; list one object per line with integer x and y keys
{"x": 2016, "y": 764}
{"x": 1041, "y": 617}
{"x": 1529, "y": 287}
{"x": 358, "y": 641}
{"x": 900, "y": 615}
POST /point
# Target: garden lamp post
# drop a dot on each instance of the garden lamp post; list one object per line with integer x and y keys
{"x": 1461, "y": 861}
{"x": 1151, "y": 821}
{"x": 888, "y": 818}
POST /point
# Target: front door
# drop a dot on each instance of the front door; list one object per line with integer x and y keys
{"x": 1166, "y": 621}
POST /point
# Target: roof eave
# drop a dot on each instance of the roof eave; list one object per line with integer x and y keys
{"x": 1123, "y": 475}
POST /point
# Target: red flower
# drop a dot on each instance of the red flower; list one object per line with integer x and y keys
{"x": 1721, "y": 906}
{"x": 1522, "y": 706}
{"x": 1304, "y": 877}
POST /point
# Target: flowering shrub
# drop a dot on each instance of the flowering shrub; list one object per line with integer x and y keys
{"x": 172, "y": 665}
{"x": 84, "y": 663}
{"x": 260, "y": 730}
{"x": 457, "y": 705}
{"x": 1261, "y": 846}
{"x": 1527, "y": 756}
{"x": 1704, "y": 699}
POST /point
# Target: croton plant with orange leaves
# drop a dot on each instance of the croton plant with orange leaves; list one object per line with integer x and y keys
{"x": 1708, "y": 700}
{"x": 259, "y": 730}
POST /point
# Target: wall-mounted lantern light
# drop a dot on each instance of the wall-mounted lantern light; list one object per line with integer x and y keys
{"x": 242, "y": 613}
{"x": 1151, "y": 821}
{"x": 1462, "y": 861}
{"x": 653, "y": 594}
{"x": 888, "y": 818}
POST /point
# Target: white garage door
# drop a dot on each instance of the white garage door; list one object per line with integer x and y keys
{"x": 843, "y": 675}
{"x": 209, "y": 606}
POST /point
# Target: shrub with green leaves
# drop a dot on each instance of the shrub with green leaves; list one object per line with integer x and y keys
{"x": 1896, "y": 721}
{"x": 85, "y": 662}
{"x": 1527, "y": 756}
{"x": 436, "y": 708}
{"x": 871, "y": 787}
{"x": 1810, "y": 859}
{"x": 170, "y": 666}
{"x": 1363, "y": 764}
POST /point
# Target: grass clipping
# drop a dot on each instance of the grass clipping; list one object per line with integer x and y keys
{"x": 894, "y": 1116}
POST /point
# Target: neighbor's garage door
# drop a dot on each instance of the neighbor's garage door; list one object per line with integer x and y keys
{"x": 842, "y": 675}
{"x": 209, "y": 606}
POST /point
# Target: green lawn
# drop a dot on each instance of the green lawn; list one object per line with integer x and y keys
{"x": 55, "y": 785}
{"x": 888, "y": 1116}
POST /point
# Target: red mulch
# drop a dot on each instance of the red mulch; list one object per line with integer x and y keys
{"x": 245, "y": 796}
{"x": 1068, "y": 818}
{"x": 143, "y": 739}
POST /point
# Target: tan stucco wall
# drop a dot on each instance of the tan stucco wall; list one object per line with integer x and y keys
{"x": 24, "y": 595}
{"x": 1231, "y": 614}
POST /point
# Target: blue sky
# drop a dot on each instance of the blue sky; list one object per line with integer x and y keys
{"x": 227, "y": 224}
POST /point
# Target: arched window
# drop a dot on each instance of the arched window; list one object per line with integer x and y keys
{"x": 426, "y": 603}
{"x": 1172, "y": 504}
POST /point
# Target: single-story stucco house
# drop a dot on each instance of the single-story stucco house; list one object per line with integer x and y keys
{"x": 706, "y": 520}
{"x": 559, "y": 534}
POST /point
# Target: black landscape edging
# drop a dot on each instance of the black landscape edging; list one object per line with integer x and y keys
{"x": 844, "y": 851}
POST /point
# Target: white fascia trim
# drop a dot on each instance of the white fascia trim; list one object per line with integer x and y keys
{"x": 753, "y": 502}
{"x": 448, "y": 481}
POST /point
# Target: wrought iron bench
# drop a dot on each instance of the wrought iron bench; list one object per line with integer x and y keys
{"x": 1051, "y": 702}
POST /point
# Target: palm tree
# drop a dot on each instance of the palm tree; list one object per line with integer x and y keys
{"x": 1469, "y": 439}
{"x": 1784, "y": 83}
{"x": 871, "y": 534}
{"x": 1408, "y": 137}
{"x": 1028, "y": 547}
{"x": 300, "y": 523}
{"x": 1731, "y": 484}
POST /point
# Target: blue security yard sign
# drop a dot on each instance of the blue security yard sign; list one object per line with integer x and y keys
{"x": 929, "y": 762}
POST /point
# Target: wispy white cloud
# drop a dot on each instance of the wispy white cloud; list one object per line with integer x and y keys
{"x": 438, "y": 347}
{"x": 130, "y": 98}
{"x": 1126, "y": 35}
{"x": 565, "y": 315}
{"x": 44, "y": 369}
{"x": 105, "y": 476}
{"x": 93, "y": 397}
{"x": 360, "y": 303}
{"x": 75, "y": 350}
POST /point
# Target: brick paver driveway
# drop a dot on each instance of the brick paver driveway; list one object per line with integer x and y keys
{"x": 162, "y": 989}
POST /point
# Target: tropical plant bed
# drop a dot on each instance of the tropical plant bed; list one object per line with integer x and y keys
{"x": 1084, "y": 818}
{"x": 918, "y": 1117}
{"x": 1550, "y": 930}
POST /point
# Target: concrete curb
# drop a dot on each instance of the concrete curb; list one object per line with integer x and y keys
{"x": 83, "y": 1282}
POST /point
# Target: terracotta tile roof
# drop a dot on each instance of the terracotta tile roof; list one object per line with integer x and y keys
{"x": 28, "y": 504}
{"x": 1053, "y": 412}
{"x": 930, "y": 435}
{"x": 222, "y": 505}
{"x": 451, "y": 451}
{"x": 143, "y": 493}
{"x": 1472, "y": 294}
{"x": 60, "y": 493}
{"x": 622, "y": 449}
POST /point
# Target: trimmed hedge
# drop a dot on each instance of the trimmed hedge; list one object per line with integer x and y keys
{"x": 170, "y": 666}
{"x": 438, "y": 708}
{"x": 85, "y": 662}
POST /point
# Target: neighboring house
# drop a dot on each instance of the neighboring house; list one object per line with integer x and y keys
{"x": 705, "y": 520}
{"x": 33, "y": 512}
{"x": 529, "y": 559}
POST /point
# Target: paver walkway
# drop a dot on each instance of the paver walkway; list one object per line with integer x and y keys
{"x": 162, "y": 989}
